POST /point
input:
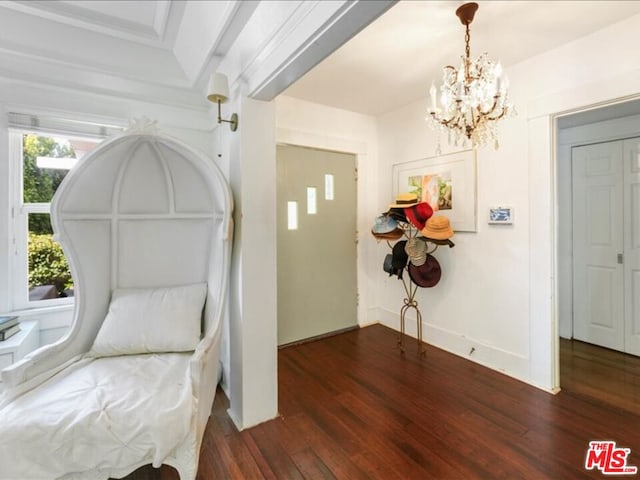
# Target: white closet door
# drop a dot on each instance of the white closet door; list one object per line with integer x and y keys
{"x": 598, "y": 291}
{"x": 632, "y": 244}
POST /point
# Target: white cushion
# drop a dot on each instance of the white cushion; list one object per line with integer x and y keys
{"x": 151, "y": 321}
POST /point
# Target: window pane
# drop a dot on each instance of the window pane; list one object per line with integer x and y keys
{"x": 46, "y": 160}
{"x": 49, "y": 275}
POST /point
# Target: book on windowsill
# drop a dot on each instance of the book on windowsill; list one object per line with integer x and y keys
{"x": 9, "y": 332}
{"x": 7, "y": 322}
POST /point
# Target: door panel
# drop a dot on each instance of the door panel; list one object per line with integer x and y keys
{"x": 317, "y": 283}
{"x": 632, "y": 244}
{"x": 597, "y": 240}
{"x": 601, "y": 283}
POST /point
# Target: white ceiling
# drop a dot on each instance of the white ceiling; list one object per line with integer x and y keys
{"x": 155, "y": 50}
{"x": 148, "y": 22}
{"x": 162, "y": 51}
{"x": 393, "y": 61}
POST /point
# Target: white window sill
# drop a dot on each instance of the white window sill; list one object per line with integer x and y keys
{"x": 49, "y": 317}
{"x": 50, "y": 309}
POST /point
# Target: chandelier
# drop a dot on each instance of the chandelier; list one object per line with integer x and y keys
{"x": 473, "y": 97}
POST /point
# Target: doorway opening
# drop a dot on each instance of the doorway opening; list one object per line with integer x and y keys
{"x": 598, "y": 252}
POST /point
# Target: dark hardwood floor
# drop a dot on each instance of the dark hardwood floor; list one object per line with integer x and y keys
{"x": 352, "y": 407}
{"x": 601, "y": 374}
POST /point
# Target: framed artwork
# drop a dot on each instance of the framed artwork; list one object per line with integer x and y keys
{"x": 446, "y": 182}
{"x": 501, "y": 215}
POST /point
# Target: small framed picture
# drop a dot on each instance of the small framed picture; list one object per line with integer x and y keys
{"x": 501, "y": 215}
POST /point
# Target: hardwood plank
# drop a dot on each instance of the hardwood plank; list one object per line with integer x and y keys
{"x": 600, "y": 374}
{"x": 311, "y": 466}
{"x": 353, "y": 407}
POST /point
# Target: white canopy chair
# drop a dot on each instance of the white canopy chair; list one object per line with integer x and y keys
{"x": 145, "y": 222}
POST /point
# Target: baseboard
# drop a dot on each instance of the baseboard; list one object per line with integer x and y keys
{"x": 509, "y": 363}
{"x": 318, "y": 337}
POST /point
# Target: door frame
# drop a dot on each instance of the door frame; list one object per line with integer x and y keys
{"x": 562, "y": 144}
{"x": 308, "y": 140}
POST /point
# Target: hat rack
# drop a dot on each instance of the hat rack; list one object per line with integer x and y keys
{"x": 411, "y": 288}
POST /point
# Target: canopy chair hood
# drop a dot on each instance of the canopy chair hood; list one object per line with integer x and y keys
{"x": 145, "y": 222}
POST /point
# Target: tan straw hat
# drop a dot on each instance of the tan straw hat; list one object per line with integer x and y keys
{"x": 438, "y": 228}
{"x": 404, "y": 200}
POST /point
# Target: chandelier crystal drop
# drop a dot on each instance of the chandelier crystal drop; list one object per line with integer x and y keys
{"x": 473, "y": 97}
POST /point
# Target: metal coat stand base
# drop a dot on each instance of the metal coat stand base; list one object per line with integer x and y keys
{"x": 410, "y": 303}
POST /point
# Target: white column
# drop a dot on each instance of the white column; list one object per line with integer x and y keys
{"x": 253, "y": 386}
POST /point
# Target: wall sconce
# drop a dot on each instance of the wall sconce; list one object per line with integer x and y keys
{"x": 219, "y": 93}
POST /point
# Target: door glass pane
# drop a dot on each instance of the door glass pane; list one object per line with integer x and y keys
{"x": 328, "y": 186}
{"x": 292, "y": 215}
{"x": 312, "y": 207}
{"x": 49, "y": 275}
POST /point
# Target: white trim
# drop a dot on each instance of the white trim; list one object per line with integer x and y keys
{"x": 59, "y": 125}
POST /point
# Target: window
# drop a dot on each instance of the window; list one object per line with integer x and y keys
{"x": 40, "y": 162}
{"x": 39, "y": 159}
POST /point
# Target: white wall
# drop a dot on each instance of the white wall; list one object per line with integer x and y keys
{"x": 497, "y": 293}
{"x": 484, "y": 284}
{"x": 311, "y": 125}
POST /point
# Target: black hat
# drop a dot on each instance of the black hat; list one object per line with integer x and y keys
{"x": 399, "y": 258}
{"x": 387, "y": 265}
{"x": 397, "y": 214}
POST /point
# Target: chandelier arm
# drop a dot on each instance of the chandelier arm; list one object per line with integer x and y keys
{"x": 443, "y": 121}
{"x": 502, "y": 114}
{"x": 493, "y": 107}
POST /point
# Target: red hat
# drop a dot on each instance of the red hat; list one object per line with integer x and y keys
{"x": 419, "y": 214}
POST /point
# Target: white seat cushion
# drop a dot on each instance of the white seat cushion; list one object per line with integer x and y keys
{"x": 96, "y": 414}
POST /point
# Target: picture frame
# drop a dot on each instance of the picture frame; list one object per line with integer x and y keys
{"x": 500, "y": 215}
{"x": 446, "y": 182}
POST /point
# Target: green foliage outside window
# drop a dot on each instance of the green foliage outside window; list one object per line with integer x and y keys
{"x": 47, "y": 264}
{"x": 39, "y": 184}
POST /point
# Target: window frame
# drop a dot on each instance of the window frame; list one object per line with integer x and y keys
{"x": 19, "y": 228}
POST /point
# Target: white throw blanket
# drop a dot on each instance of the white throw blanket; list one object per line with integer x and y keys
{"x": 95, "y": 415}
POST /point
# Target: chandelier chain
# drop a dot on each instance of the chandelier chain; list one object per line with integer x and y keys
{"x": 467, "y": 52}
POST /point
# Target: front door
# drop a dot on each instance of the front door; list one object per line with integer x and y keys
{"x": 317, "y": 284}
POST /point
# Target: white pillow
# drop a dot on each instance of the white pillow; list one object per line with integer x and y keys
{"x": 151, "y": 321}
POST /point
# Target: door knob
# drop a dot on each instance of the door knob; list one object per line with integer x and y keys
{"x": 620, "y": 259}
